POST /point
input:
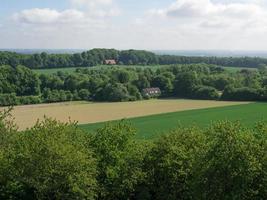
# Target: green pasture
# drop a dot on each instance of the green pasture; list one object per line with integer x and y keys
{"x": 55, "y": 70}
{"x": 99, "y": 67}
{"x": 237, "y": 69}
{"x": 151, "y": 126}
{"x": 72, "y": 69}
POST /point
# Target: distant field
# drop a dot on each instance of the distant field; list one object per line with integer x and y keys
{"x": 55, "y": 70}
{"x": 236, "y": 69}
{"x": 72, "y": 69}
{"x": 151, "y": 126}
{"x": 85, "y": 112}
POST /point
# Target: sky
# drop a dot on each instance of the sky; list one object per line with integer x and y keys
{"x": 134, "y": 24}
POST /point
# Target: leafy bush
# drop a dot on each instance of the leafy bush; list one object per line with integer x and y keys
{"x": 120, "y": 160}
{"x": 113, "y": 93}
{"x": 29, "y": 100}
{"x": 170, "y": 163}
{"x": 8, "y": 99}
{"x": 241, "y": 94}
{"x": 53, "y": 160}
{"x": 234, "y": 165}
{"x": 205, "y": 92}
{"x": 51, "y": 96}
{"x": 49, "y": 161}
{"x": 84, "y": 94}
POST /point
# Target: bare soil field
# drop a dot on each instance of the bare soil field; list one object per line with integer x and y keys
{"x": 85, "y": 113}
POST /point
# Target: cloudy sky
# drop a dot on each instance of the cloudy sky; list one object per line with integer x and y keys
{"x": 138, "y": 24}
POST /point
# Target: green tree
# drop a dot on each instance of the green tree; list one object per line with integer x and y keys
{"x": 113, "y": 92}
{"x": 49, "y": 161}
{"x": 120, "y": 161}
{"x": 170, "y": 164}
{"x": 232, "y": 167}
{"x": 163, "y": 83}
{"x": 205, "y": 92}
{"x": 185, "y": 83}
{"x": 84, "y": 94}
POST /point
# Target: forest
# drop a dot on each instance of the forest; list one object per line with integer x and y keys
{"x": 53, "y": 160}
{"x": 96, "y": 57}
{"x": 21, "y": 85}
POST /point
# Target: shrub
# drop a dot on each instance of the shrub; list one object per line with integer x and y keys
{"x": 205, "y": 92}
{"x": 53, "y": 160}
{"x": 8, "y": 99}
{"x": 234, "y": 165}
{"x": 84, "y": 94}
{"x": 120, "y": 160}
{"x": 52, "y": 96}
{"x": 29, "y": 100}
{"x": 49, "y": 161}
{"x": 170, "y": 163}
{"x": 241, "y": 94}
{"x": 113, "y": 92}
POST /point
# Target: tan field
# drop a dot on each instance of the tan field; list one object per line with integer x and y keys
{"x": 85, "y": 113}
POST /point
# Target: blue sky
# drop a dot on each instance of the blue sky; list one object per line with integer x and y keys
{"x": 130, "y": 6}
{"x": 140, "y": 24}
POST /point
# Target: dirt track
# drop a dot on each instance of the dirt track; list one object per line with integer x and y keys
{"x": 84, "y": 113}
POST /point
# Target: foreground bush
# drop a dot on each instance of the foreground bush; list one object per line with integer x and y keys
{"x": 58, "y": 161}
{"x": 120, "y": 161}
{"x": 234, "y": 167}
{"x": 170, "y": 163}
{"x": 49, "y": 161}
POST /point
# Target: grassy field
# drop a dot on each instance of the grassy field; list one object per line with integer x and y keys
{"x": 55, "y": 70}
{"x": 236, "y": 69}
{"x": 151, "y": 126}
{"x": 72, "y": 69}
{"x": 88, "y": 112}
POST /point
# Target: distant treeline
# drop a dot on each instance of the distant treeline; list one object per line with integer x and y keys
{"x": 21, "y": 85}
{"x": 59, "y": 161}
{"x": 96, "y": 57}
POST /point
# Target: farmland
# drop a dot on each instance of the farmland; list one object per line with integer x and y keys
{"x": 99, "y": 67}
{"x": 152, "y": 126}
{"x": 236, "y": 69}
{"x": 84, "y": 112}
{"x": 84, "y": 115}
{"x": 55, "y": 70}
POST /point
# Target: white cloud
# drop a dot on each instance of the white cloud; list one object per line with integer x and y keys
{"x": 206, "y": 24}
{"x": 97, "y": 8}
{"x": 184, "y": 24}
{"x": 207, "y": 14}
{"x": 207, "y": 8}
{"x": 46, "y": 16}
{"x": 83, "y": 10}
{"x": 91, "y": 3}
{"x": 79, "y": 26}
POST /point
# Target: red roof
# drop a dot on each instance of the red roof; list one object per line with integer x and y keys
{"x": 152, "y": 90}
{"x": 110, "y": 62}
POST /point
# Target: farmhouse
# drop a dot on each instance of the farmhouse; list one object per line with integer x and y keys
{"x": 110, "y": 62}
{"x": 152, "y": 92}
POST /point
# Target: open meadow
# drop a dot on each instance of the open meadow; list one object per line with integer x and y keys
{"x": 152, "y": 126}
{"x": 89, "y": 113}
{"x": 99, "y": 67}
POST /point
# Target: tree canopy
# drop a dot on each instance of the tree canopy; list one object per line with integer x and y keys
{"x": 53, "y": 160}
{"x": 20, "y": 85}
{"x": 96, "y": 57}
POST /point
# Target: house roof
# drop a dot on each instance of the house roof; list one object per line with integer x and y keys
{"x": 151, "y": 90}
{"x": 110, "y": 61}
